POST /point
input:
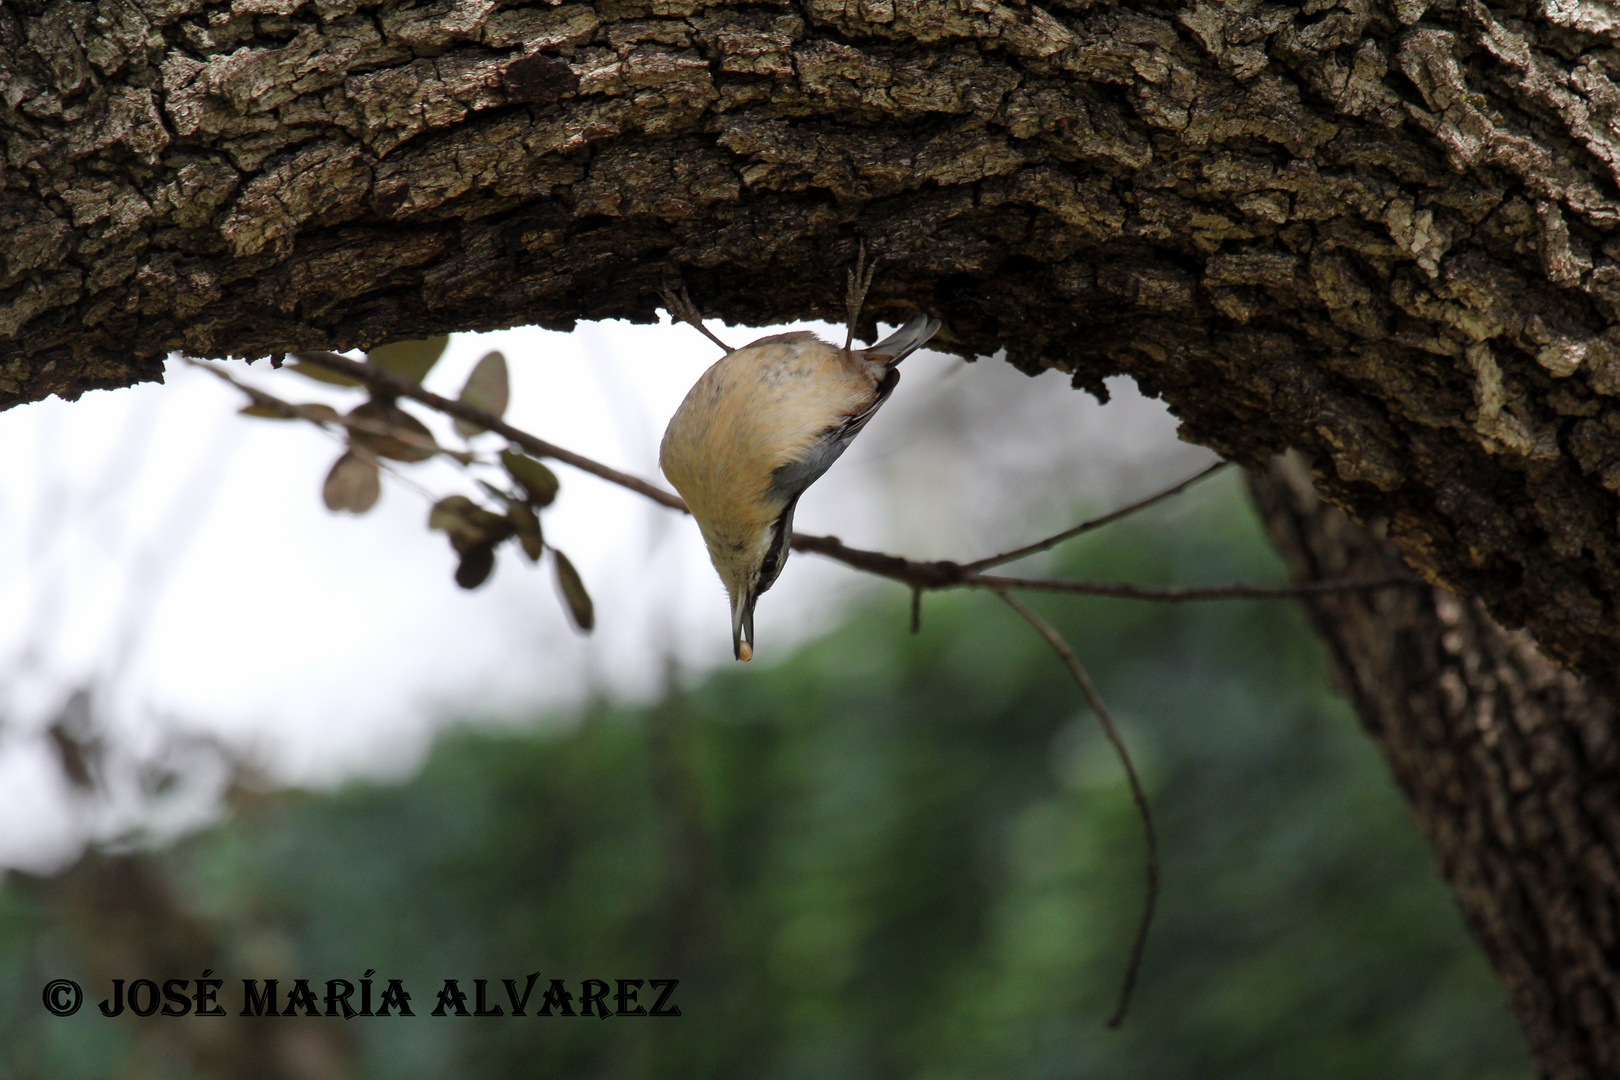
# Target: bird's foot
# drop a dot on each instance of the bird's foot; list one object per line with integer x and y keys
{"x": 858, "y": 283}
{"x": 680, "y": 308}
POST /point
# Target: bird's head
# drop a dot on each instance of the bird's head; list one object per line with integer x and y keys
{"x": 748, "y": 560}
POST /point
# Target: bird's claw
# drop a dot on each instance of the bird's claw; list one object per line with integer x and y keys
{"x": 680, "y": 308}
{"x": 859, "y": 281}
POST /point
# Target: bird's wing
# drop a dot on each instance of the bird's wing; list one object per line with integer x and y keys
{"x": 790, "y": 480}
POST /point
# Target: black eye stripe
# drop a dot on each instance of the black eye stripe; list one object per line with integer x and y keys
{"x": 772, "y": 563}
{"x": 773, "y": 557}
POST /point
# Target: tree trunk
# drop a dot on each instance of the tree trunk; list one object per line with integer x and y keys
{"x": 1374, "y": 230}
{"x": 1510, "y": 763}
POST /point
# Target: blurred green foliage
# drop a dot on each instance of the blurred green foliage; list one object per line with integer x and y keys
{"x": 887, "y": 856}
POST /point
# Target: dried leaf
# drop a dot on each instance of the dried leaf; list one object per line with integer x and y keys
{"x": 527, "y": 524}
{"x": 468, "y": 525}
{"x": 487, "y": 388}
{"x": 533, "y": 476}
{"x": 410, "y": 359}
{"x": 353, "y": 484}
{"x": 579, "y": 603}
{"x": 309, "y": 367}
{"x": 391, "y": 432}
{"x": 476, "y": 565}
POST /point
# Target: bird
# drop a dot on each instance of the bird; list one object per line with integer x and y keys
{"x": 763, "y": 424}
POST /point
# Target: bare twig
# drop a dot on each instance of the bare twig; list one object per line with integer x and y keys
{"x": 1181, "y": 595}
{"x": 950, "y": 575}
{"x": 1095, "y": 523}
{"x": 1134, "y": 965}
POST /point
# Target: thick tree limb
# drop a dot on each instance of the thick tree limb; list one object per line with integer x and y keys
{"x": 1511, "y": 766}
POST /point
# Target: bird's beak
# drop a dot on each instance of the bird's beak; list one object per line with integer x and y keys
{"x": 742, "y": 625}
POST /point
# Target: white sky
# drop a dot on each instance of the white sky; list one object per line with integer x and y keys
{"x": 176, "y": 558}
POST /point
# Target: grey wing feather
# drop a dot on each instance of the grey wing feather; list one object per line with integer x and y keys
{"x": 791, "y": 479}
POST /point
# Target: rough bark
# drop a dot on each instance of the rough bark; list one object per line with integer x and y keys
{"x": 1377, "y": 230}
{"x": 1511, "y": 765}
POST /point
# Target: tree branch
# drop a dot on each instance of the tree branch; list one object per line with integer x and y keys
{"x": 1095, "y": 523}
{"x": 951, "y": 575}
{"x": 1180, "y": 595}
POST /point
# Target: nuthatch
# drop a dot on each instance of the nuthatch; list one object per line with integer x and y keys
{"x": 762, "y": 425}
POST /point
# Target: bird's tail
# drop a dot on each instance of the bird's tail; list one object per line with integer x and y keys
{"x": 904, "y": 341}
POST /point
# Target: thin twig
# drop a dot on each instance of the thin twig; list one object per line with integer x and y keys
{"x": 949, "y": 575}
{"x": 1192, "y": 592}
{"x": 1095, "y": 523}
{"x": 402, "y": 387}
{"x": 1133, "y": 966}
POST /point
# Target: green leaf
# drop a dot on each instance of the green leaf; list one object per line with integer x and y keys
{"x": 476, "y": 565}
{"x": 578, "y": 600}
{"x": 352, "y": 485}
{"x": 309, "y": 366}
{"x": 487, "y": 388}
{"x": 391, "y": 432}
{"x": 532, "y": 476}
{"x": 410, "y": 359}
{"x": 527, "y": 524}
